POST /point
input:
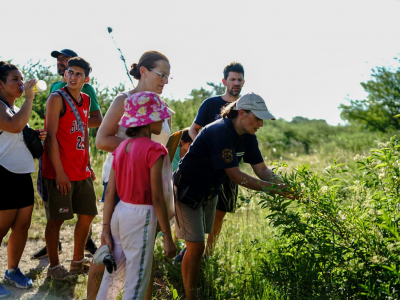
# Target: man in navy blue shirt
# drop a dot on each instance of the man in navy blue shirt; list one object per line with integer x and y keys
{"x": 208, "y": 112}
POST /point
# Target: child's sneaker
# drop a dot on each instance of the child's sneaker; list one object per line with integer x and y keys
{"x": 20, "y": 280}
{"x": 80, "y": 267}
{"x": 4, "y": 292}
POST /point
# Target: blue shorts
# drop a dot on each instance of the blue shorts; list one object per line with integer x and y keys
{"x": 104, "y": 192}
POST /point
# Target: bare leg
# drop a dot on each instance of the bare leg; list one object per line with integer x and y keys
{"x": 6, "y": 220}
{"x": 94, "y": 280}
{"x": 19, "y": 235}
{"x": 52, "y": 235}
{"x": 212, "y": 237}
{"x": 149, "y": 291}
{"x": 191, "y": 268}
{"x": 82, "y": 228}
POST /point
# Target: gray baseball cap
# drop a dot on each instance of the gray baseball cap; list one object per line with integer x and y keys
{"x": 256, "y": 104}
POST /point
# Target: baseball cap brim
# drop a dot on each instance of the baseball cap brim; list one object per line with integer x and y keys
{"x": 55, "y": 54}
{"x": 263, "y": 114}
{"x": 65, "y": 52}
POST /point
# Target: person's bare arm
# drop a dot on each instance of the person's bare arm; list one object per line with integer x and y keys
{"x": 160, "y": 207}
{"x": 106, "y": 138}
{"x": 54, "y": 107}
{"x": 86, "y": 144}
{"x": 17, "y": 122}
{"x": 253, "y": 183}
{"x": 95, "y": 118}
{"x": 194, "y": 130}
{"x": 108, "y": 210}
{"x": 264, "y": 173}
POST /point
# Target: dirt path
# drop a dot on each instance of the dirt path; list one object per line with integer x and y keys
{"x": 37, "y": 268}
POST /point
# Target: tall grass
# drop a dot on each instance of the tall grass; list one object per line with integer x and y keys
{"x": 253, "y": 255}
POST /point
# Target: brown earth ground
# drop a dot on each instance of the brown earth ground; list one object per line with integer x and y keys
{"x": 36, "y": 269}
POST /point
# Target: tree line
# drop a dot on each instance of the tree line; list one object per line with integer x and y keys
{"x": 367, "y": 119}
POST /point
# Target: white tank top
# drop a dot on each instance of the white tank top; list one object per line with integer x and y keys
{"x": 14, "y": 155}
{"x": 162, "y": 138}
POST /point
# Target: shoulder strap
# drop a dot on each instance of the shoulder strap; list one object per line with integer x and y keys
{"x": 9, "y": 107}
{"x": 71, "y": 103}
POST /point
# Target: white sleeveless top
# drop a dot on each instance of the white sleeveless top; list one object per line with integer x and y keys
{"x": 162, "y": 138}
{"x": 14, "y": 155}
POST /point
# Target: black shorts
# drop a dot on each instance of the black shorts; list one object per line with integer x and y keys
{"x": 16, "y": 190}
{"x": 228, "y": 197}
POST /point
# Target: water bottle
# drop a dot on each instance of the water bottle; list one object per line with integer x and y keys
{"x": 40, "y": 86}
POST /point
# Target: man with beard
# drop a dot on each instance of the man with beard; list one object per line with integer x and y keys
{"x": 63, "y": 56}
{"x": 208, "y": 112}
{"x": 95, "y": 119}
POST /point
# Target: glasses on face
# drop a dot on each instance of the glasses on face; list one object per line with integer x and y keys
{"x": 162, "y": 76}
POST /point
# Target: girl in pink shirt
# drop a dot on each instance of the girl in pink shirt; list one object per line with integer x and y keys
{"x": 130, "y": 229}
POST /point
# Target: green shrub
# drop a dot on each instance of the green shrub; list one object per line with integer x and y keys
{"x": 340, "y": 239}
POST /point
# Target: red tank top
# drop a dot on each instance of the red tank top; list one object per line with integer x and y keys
{"x": 74, "y": 156}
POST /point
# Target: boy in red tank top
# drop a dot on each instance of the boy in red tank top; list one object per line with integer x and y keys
{"x": 66, "y": 169}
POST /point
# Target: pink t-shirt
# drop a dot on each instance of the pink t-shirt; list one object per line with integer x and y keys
{"x": 132, "y": 170}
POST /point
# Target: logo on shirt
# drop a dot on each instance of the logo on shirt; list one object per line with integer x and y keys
{"x": 63, "y": 210}
{"x": 227, "y": 155}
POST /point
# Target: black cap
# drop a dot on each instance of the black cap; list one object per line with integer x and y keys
{"x": 66, "y": 52}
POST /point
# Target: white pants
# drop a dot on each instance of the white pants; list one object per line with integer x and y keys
{"x": 133, "y": 229}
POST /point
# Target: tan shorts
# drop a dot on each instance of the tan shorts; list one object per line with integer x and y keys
{"x": 192, "y": 224}
{"x": 81, "y": 199}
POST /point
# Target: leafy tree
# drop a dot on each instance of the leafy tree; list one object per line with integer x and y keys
{"x": 377, "y": 112}
{"x": 186, "y": 110}
{"x": 218, "y": 89}
{"x": 105, "y": 95}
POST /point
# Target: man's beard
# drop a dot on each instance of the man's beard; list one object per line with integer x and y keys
{"x": 234, "y": 94}
{"x": 61, "y": 70}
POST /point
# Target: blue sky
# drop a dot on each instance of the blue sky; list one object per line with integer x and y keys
{"x": 303, "y": 57}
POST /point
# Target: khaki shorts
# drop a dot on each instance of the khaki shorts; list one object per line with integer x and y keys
{"x": 192, "y": 224}
{"x": 80, "y": 199}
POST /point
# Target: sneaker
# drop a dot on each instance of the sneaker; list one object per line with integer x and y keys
{"x": 179, "y": 257}
{"x": 4, "y": 292}
{"x": 91, "y": 246}
{"x": 59, "y": 273}
{"x": 43, "y": 252}
{"x": 20, "y": 280}
{"x": 80, "y": 267}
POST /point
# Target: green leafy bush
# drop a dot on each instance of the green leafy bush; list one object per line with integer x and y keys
{"x": 340, "y": 239}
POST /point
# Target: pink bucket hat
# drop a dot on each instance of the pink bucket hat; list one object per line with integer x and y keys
{"x": 144, "y": 108}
